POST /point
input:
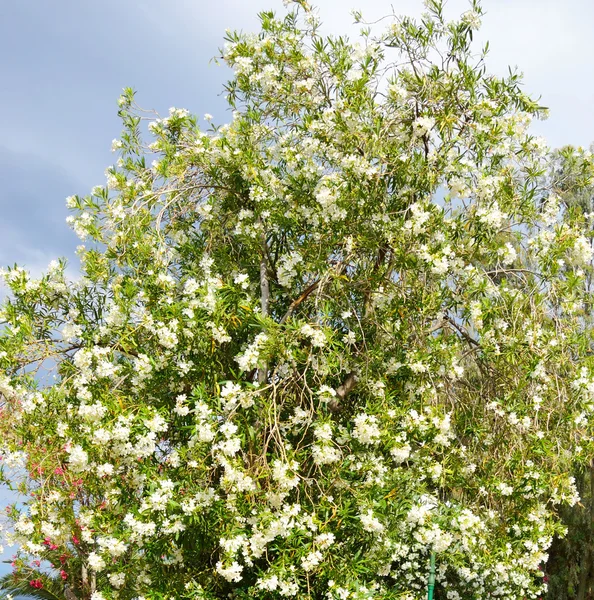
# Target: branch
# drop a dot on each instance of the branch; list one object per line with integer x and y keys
{"x": 379, "y": 261}
{"x": 343, "y": 391}
{"x": 462, "y": 331}
{"x": 308, "y": 290}
{"x": 339, "y": 267}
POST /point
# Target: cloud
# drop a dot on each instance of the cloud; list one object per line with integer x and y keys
{"x": 32, "y": 224}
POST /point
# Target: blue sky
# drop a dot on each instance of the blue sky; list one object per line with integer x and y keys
{"x": 64, "y": 63}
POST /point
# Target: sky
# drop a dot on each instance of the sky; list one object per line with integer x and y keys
{"x": 65, "y": 62}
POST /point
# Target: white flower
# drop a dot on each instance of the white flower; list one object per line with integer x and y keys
{"x": 205, "y": 433}
{"x": 370, "y": 523}
{"x": 166, "y": 335}
{"x": 327, "y": 198}
{"x": 325, "y": 455}
{"x": 219, "y": 333}
{"x": 251, "y": 356}
{"x": 366, "y": 430}
{"x": 281, "y": 474}
{"x": 286, "y": 270}
{"x": 472, "y": 19}
{"x": 269, "y": 583}
{"x": 435, "y": 471}
{"x": 24, "y": 525}
{"x": 230, "y": 447}
{"x": 323, "y": 431}
{"x": 157, "y": 424}
{"x": 95, "y": 562}
{"x": 350, "y": 338}
{"x": 400, "y": 453}
{"x": 232, "y": 395}
{"x": 418, "y": 513}
{"x": 228, "y": 429}
{"x": 78, "y": 458}
{"x": 582, "y": 251}
{"x": 508, "y": 254}
{"x": 117, "y": 580}
{"x": 316, "y": 336}
{"x": 312, "y": 560}
{"x": 92, "y": 412}
{"x": 288, "y": 588}
{"x": 181, "y": 408}
{"x": 105, "y": 469}
{"x": 505, "y": 489}
{"x": 178, "y": 112}
{"x": 102, "y": 436}
{"x": 230, "y": 573}
{"x": 325, "y": 540}
{"x": 326, "y": 393}
{"x": 422, "y": 126}
{"x": 491, "y": 215}
{"x": 243, "y": 65}
{"x": 112, "y": 545}
{"x": 242, "y": 279}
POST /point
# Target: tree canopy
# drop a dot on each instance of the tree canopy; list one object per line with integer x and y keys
{"x": 314, "y": 345}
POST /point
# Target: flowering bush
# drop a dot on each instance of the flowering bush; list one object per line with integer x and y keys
{"x": 312, "y": 346}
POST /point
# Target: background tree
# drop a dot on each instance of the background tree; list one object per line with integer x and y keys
{"x": 570, "y": 568}
{"x": 312, "y": 346}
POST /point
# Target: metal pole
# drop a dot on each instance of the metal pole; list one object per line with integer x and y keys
{"x": 431, "y": 582}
